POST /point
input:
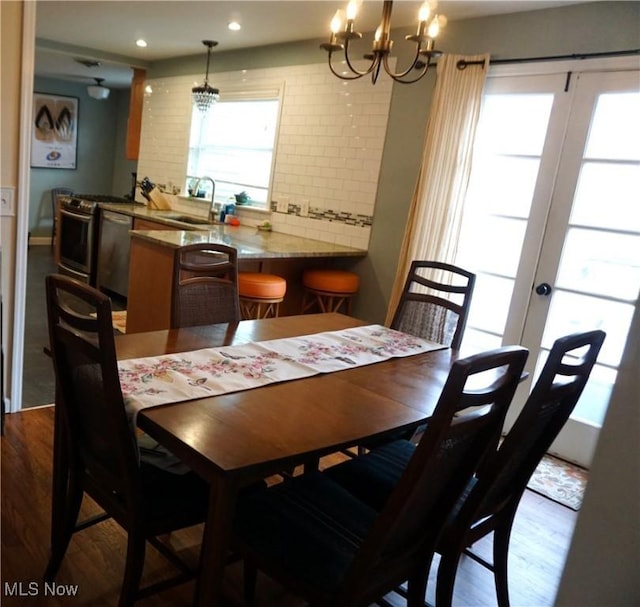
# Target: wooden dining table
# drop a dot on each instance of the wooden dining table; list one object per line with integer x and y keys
{"x": 234, "y": 439}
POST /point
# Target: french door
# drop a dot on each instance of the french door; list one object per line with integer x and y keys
{"x": 552, "y": 225}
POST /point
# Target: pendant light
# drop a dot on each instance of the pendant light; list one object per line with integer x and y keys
{"x": 205, "y": 96}
{"x": 97, "y": 91}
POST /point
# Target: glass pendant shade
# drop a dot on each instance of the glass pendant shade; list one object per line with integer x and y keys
{"x": 204, "y": 96}
{"x": 97, "y": 91}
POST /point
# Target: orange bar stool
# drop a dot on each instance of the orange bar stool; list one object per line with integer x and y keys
{"x": 260, "y": 294}
{"x": 329, "y": 290}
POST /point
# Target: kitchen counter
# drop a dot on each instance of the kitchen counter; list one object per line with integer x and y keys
{"x": 251, "y": 243}
{"x": 142, "y": 211}
{"x": 153, "y": 251}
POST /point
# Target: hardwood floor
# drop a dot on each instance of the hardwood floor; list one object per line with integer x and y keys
{"x": 95, "y": 559}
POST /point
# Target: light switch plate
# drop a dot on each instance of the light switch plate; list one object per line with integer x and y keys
{"x": 304, "y": 208}
{"x": 7, "y": 204}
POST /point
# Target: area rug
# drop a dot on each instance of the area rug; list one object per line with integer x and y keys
{"x": 560, "y": 481}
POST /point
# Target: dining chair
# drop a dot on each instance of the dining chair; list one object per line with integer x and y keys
{"x": 434, "y": 305}
{"x": 329, "y": 547}
{"x": 492, "y": 497}
{"x": 55, "y": 192}
{"x": 205, "y": 285}
{"x": 435, "y": 301}
{"x": 102, "y": 457}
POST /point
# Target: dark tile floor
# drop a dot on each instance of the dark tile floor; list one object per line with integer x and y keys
{"x": 38, "y": 383}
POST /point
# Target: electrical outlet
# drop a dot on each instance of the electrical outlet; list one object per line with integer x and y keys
{"x": 7, "y": 206}
{"x": 304, "y": 208}
{"x": 282, "y": 206}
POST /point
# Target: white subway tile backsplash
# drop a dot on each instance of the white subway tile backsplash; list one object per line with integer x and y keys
{"x": 329, "y": 150}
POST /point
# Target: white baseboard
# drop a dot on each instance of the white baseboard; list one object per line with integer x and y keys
{"x": 7, "y": 402}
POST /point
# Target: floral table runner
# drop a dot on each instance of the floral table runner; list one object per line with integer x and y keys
{"x": 172, "y": 378}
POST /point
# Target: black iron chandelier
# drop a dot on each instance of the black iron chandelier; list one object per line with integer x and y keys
{"x": 343, "y": 32}
{"x": 205, "y": 96}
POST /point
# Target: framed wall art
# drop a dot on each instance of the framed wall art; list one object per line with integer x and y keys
{"x": 54, "y": 143}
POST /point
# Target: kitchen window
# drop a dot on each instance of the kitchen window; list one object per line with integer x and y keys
{"x": 234, "y": 143}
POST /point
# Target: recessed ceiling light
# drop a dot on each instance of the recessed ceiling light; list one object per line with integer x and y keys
{"x": 141, "y": 43}
{"x": 234, "y": 26}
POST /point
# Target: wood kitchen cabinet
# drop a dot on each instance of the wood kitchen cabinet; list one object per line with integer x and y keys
{"x": 148, "y": 224}
{"x": 136, "y": 103}
{"x": 150, "y": 280}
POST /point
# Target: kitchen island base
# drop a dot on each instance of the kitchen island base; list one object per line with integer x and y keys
{"x": 151, "y": 280}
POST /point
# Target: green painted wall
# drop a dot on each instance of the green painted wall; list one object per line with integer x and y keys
{"x": 101, "y": 165}
{"x": 583, "y": 28}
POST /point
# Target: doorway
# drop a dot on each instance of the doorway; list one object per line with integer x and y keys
{"x": 552, "y": 225}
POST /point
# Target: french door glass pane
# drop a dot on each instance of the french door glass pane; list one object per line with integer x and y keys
{"x": 573, "y": 313}
{"x": 508, "y": 236}
{"x": 489, "y": 305}
{"x": 601, "y": 263}
{"x": 519, "y": 123}
{"x": 502, "y": 184}
{"x": 481, "y": 341}
{"x": 615, "y": 130}
{"x": 607, "y": 196}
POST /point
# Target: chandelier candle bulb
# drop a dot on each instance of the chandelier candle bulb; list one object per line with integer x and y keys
{"x": 434, "y": 28}
{"x": 423, "y": 16}
{"x": 336, "y": 22}
{"x": 352, "y": 9}
{"x": 336, "y": 27}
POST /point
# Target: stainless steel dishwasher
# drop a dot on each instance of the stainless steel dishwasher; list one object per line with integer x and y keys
{"x": 113, "y": 252}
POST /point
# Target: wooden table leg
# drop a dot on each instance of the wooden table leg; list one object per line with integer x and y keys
{"x": 215, "y": 543}
{"x": 59, "y": 489}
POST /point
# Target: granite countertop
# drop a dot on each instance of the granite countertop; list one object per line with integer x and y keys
{"x": 250, "y": 242}
{"x": 142, "y": 211}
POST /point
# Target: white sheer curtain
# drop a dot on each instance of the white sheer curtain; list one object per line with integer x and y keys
{"x": 433, "y": 225}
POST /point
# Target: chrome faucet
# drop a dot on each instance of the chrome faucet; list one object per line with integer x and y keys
{"x": 212, "y": 212}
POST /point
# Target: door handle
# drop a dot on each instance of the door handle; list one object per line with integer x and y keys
{"x": 544, "y": 288}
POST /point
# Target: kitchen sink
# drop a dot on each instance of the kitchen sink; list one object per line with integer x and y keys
{"x": 196, "y": 221}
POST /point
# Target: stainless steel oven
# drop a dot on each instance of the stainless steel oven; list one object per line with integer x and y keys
{"x": 78, "y": 235}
